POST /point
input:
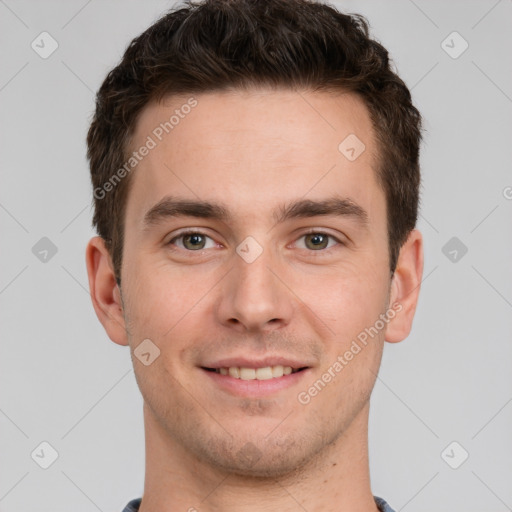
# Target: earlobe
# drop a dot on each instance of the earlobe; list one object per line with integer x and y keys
{"x": 105, "y": 293}
{"x": 405, "y": 287}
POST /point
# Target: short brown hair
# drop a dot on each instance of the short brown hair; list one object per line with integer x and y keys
{"x": 224, "y": 44}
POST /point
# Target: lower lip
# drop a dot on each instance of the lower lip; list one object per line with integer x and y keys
{"x": 255, "y": 388}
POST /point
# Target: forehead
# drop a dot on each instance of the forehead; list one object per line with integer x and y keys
{"x": 253, "y": 149}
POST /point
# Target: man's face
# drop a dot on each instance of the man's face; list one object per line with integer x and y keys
{"x": 264, "y": 285}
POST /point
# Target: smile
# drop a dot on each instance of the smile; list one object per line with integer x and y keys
{"x": 264, "y": 373}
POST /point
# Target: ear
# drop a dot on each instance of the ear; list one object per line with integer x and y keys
{"x": 105, "y": 293}
{"x": 405, "y": 287}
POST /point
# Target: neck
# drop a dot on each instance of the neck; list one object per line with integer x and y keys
{"x": 336, "y": 480}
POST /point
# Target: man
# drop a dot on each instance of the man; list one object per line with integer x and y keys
{"x": 255, "y": 174}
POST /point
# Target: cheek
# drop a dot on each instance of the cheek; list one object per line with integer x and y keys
{"x": 347, "y": 299}
{"x": 160, "y": 296}
{"x": 355, "y": 351}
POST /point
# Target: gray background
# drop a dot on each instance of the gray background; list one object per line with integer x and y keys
{"x": 64, "y": 382}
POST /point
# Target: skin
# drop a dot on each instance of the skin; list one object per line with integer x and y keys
{"x": 253, "y": 151}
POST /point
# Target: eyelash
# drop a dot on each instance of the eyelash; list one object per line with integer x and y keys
{"x": 310, "y": 232}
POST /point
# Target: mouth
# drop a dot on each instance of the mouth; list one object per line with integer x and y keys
{"x": 256, "y": 377}
{"x": 261, "y": 373}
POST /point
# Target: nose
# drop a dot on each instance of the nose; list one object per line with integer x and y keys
{"x": 254, "y": 296}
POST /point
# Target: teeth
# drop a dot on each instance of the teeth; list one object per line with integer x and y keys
{"x": 234, "y": 372}
{"x": 277, "y": 371}
{"x": 247, "y": 373}
{"x": 266, "y": 373}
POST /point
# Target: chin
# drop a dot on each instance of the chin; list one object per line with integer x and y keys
{"x": 269, "y": 459}
{"x": 267, "y": 467}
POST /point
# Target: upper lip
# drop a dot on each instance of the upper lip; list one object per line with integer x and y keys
{"x": 256, "y": 363}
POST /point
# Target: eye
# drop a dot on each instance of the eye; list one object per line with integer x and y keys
{"x": 318, "y": 241}
{"x": 192, "y": 241}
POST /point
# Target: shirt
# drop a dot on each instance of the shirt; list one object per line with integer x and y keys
{"x": 134, "y": 505}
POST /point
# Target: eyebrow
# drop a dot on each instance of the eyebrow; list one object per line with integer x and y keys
{"x": 171, "y": 207}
